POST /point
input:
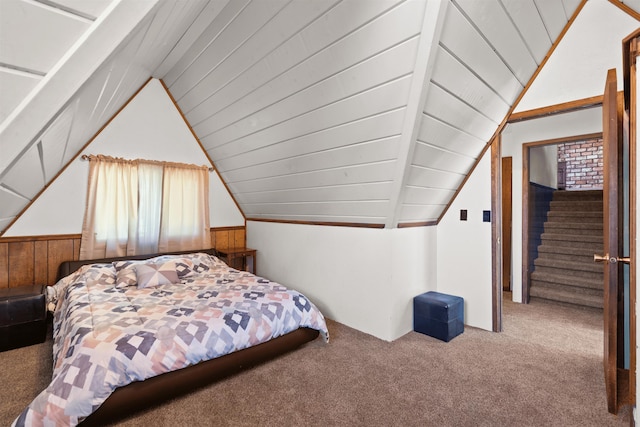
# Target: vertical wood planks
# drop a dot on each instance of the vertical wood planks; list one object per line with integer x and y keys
{"x": 21, "y": 263}
{"x": 58, "y": 251}
{"x": 4, "y": 265}
{"x": 35, "y": 259}
{"x": 40, "y": 262}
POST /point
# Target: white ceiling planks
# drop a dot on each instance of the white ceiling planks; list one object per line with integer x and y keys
{"x": 440, "y": 134}
{"x": 428, "y": 156}
{"x": 89, "y": 9}
{"x": 359, "y": 78}
{"x": 419, "y": 175}
{"x": 387, "y": 96}
{"x": 553, "y": 15}
{"x": 462, "y": 83}
{"x": 366, "y": 212}
{"x": 633, "y": 4}
{"x": 304, "y": 107}
{"x": 26, "y": 186}
{"x": 27, "y": 27}
{"x": 11, "y": 203}
{"x": 208, "y": 13}
{"x": 53, "y": 144}
{"x": 19, "y": 132}
{"x": 463, "y": 41}
{"x": 14, "y": 85}
{"x": 342, "y": 192}
{"x": 53, "y": 32}
{"x": 297, "y": 40}
{"x": 383, "y": 125}
{"x": 360, "y": 153}
{"x": 525, "y": 16}
{"x": 344, "y": 176}
{"x": 424, "y": 212}
{"x": 97, "y": 100}
{"x": 302, "y": 70}
{"x": 326, "y": 95}
{"x": 495, "y": 25}
{"x": 487, "y": 54}
{"x": 118, "y": 80}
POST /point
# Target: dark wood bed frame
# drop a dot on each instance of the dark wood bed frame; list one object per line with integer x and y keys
{"x": 139, "y": 395}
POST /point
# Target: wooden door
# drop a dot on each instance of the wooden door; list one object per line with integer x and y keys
{"x": 612, "y": 146}
{"x": 631, "y": 52}
{"x": 507, "y": 164}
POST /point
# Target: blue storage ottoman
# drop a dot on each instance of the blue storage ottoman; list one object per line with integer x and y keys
{"x": 438, "y": 315}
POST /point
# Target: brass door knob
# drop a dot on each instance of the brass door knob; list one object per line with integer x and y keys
{"x": 600, "y": 258}
{"x": 611, "y": 260}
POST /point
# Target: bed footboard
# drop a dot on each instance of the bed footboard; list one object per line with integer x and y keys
{"x": 153, "y": 391}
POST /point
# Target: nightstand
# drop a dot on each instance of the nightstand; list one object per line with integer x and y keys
{"x": 239, "y": 258}
{"x": 23, "y": 316}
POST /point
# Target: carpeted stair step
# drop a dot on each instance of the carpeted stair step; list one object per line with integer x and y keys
{"x": 578, "y": 275}
{"x": 564, "y": 270}
{"x": 585, "y": 228}
{"x": 567, "y": 296}
{"x": 593, "y": 282}
{"x": 571, "y": 216}
{"x": 576, "y": 290}
{"x": 569, "y": 277}
{"x": 578, "y": 195}
{"x": 571, "y": 239}
{"x": 572, "y": 267}
{"x": 586, "y": 251}
{"x": 582, "y": 254}
{"x": 581, "y": 205}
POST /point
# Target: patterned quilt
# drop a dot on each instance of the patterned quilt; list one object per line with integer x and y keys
{"x": 128, "y": 321}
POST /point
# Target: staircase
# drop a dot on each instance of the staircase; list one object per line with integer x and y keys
{"x": 564, "y": 270}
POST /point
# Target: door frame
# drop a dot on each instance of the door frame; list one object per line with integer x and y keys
{"x": 630, "y": 51}
{"x": 507, "y": 208}
{"x": 526, "y": 209}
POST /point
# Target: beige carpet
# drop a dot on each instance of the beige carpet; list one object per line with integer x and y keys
{"x": 543, "y": 370}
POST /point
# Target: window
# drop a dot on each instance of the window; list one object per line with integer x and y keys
{"x": 138, "y": 207}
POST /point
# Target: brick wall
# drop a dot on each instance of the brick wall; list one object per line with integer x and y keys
{"x": 584, "y": 164}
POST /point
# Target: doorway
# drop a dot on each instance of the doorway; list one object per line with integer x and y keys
{"x": 548, "y": 129}
{"x": 559, "y": 246}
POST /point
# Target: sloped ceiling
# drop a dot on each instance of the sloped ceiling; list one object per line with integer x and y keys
{"x": 352, "y": 111}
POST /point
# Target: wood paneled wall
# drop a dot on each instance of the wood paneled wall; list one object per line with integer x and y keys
{"x": 229, "y": 237}
{"x": 35, "y": 259}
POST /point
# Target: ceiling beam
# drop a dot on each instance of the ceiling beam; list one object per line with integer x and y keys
{"x": 432, "y": 23}
{"x": 22, "y": 128}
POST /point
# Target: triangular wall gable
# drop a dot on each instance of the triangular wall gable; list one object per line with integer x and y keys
{"x": 577, "y": 67}
{"x": 149, "y": 127}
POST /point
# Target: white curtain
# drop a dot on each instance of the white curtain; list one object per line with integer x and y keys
{"x": 183, "y": 229}
{"x": 112, "y": 201}
{"x": 143, "y": 207}
{"x": 150, "y": 207}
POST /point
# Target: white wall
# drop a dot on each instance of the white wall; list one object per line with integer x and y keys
{"x": 543, "y": 165}
{"x": 361, "y": 277}
{"x": 513, "y": 137}
{"x": 464, "y": 248}
{"x": 150, "y": 127}
{"x": 578, "y": 66}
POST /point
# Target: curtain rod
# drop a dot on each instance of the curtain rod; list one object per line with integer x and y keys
{"x": 87, "y": 157}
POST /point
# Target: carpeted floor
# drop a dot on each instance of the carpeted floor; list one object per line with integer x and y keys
{"x": 544, "y": 370}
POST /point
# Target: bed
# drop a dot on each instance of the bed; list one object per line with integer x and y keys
{"x": 131, "y": 332}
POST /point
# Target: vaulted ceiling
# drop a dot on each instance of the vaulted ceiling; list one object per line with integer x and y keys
{"x": 351, "y": 111}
